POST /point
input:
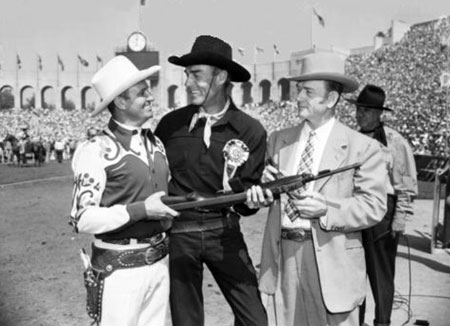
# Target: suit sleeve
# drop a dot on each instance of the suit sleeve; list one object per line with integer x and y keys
{"x": 365, "y": 204}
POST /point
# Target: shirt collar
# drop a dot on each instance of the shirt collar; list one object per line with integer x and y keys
{"x": 217, "y": 115}
{"x": 123, "y": 133}
{"x": 323, "y": 131}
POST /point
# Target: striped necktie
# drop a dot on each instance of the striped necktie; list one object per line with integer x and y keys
{"x": 305, "y": 166}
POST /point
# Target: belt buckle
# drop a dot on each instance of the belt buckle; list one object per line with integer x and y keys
{"x": 149, "y": 256}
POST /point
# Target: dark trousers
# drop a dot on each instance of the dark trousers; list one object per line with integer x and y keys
{"x": 380, "y": 249}
{"x": 225, "y": 253}
{"x": 59, "y": 156}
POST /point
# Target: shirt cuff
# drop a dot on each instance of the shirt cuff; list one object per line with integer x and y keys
{"x": 137, "y": 211}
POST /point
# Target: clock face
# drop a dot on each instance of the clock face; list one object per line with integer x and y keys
{"x": 137, "y": 41}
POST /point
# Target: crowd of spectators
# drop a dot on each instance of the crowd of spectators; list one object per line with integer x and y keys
{"x": 409, "y": 71}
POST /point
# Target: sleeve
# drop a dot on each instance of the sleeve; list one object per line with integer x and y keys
{"x": 251, "y": 171}
{"x": 87, "y": 216}
{"x": 404, "y": 179}
{"x": 366, "y": 205}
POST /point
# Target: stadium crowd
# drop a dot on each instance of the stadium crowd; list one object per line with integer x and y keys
{"x": 409, "y": 71}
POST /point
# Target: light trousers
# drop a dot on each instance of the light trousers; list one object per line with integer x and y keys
{"x": 300, "y": 302}
{"x": 137, "y": 296}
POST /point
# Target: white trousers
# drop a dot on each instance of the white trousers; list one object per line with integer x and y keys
{"x": 137, "y": 296}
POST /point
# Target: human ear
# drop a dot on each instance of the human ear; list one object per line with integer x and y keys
{"x": 120, "y": 103}
{"x": 332, "y": 99}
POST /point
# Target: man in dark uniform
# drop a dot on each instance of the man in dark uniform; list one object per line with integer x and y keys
{"x": 212, "y": 146}
{"x": 381, "y": 240}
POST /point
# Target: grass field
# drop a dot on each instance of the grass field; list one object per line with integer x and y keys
{"x": 40, "y": 269}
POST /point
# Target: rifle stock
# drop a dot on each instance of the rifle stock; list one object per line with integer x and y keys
{"x": 277, "y": 187}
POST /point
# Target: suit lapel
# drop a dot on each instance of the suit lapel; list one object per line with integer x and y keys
{"x": 336, "y": 150}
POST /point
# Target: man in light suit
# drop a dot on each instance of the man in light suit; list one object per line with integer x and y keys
{"x": 312, "y": 256}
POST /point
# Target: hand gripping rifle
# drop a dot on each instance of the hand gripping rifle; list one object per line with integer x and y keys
{"x": 277, "y": 187}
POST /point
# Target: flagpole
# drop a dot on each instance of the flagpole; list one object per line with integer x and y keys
{"x": 273, "y": 64}
{"x": 311, "y": 31}
{"x": 38, "y": 91}
{"x": 254, "y": 62}
{"x": 17, "y": 75}
{"x": 78, "y": 72}
{"x": 37, "y": 74}
{"x": 57, "y": 73}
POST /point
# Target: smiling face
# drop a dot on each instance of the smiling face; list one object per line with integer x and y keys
{"x": 137, "y": 104}
{"x": 204, "y": 84}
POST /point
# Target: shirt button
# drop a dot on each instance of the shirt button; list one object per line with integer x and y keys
{"x": 156, "y": 185}
{"x": 153, "y": 171}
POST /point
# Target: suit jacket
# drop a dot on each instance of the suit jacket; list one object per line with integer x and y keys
{"x": 356, "y": 200}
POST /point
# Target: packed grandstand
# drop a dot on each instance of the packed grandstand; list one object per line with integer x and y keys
{"x": 409, "y": 71}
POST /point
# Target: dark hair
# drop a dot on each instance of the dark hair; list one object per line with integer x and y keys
{"x": 333, "y": 86}
{"x": 112, "y": 106}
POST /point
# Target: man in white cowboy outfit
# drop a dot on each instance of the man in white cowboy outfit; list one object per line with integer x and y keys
{"x": 381, "y": 240}
{"x": 120, "y": 175}
{"x": 212, "y": 146}
{"x": 312, "y": 257}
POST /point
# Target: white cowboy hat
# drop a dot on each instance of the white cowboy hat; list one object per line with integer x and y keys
{"x": 116, "y": 76}
{"x": 326, "y": 66}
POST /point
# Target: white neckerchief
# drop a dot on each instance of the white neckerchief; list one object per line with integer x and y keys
{"x": 211, "y": 119}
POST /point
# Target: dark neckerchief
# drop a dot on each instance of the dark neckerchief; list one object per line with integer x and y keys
{"x": 378, "y": 134}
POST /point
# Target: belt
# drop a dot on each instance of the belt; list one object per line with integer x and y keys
{"x": 297, "y": 234}
{"x": 109, "y": 260}
{"x": 153, "y": 240}
{"x": 229, "y": 221}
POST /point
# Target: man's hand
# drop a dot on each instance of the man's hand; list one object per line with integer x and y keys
{"x": 311, "y": 204}
{"x": 256, "y": 197}
{"x": 398, "y": 224}
{"x": 156, "y": 209}
{"x": 271, "y": 173}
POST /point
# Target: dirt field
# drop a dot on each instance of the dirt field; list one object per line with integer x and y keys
{"x": 40, "y": 270}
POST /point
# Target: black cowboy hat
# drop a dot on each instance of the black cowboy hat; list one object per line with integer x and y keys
{"x": 371, "y": 97}
{"x": 210, "y": 50}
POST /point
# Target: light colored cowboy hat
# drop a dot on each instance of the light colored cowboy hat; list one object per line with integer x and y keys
{"x": 210, "y": 50}
{"x": 116, "y": 76}
{"x": 370, "y": 97}
{"x": 326, "y": 66}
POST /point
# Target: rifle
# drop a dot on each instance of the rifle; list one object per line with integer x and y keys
{"x": 277, "y": 187}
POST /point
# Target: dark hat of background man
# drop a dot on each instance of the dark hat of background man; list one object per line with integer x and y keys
{"x": 326, "y": 66}
{"x": 371, "y": 97}
{"x": 210, "y": 50}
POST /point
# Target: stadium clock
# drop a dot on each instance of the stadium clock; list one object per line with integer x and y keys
{"x": 137, "y": 41}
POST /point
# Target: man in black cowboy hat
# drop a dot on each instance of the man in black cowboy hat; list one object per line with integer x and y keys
{"x": 212, "y": 146}
{"x": 381, "y": 241}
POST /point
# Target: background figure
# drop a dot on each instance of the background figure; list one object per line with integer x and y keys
{"x": 59, "y": 146}
{"x": 120, "y": 176}
{"x": 312, "y": 257}
{"x": 381, "y": 241}
{"x": 212, "y": 146}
